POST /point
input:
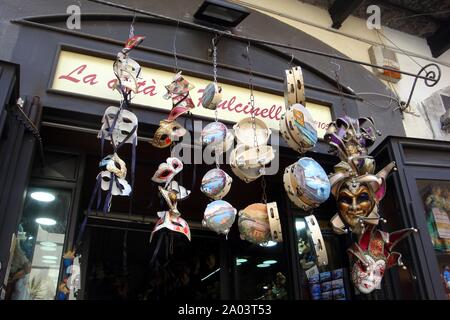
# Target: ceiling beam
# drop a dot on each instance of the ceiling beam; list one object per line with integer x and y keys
{"x": 439, "y": 42}
{"x": 341, "y": 9}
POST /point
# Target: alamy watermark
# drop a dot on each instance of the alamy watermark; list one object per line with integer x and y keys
{"x": 374, "y": 19}
{"x": 73, "y": 22}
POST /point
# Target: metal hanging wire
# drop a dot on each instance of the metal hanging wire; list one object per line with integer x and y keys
{"x": 215, "y": 71}
{"x": 174, "y": 47}
{"x": 430, "y": 73}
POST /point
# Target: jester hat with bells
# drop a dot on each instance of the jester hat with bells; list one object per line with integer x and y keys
{"x": 356, "y": 188}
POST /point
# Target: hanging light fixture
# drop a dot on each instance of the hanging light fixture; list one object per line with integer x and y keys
{"x": 221, "y": 13}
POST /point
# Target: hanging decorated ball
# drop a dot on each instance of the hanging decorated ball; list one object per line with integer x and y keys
{"x": 214, "y": 134}
{"x": 219, "y": 216}
{"x": 298, "y": 129}
{"x": 216, "y": 183}
{"x": 306, "y": 183}
{"x": 253, "y": 223}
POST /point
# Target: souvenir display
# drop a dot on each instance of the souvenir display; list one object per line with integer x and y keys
{"x": 258, "y": 223}
{"x": 119, "y": 127}
{"x": 294, "y": 89}
{"x": 216, "y": 183}
{"x": 298, "y": 129}
{"x": 372, "y": 255}
{"x": 354, "y": 185}
{"x": 306, "y": 183}
{"x": 219, "y": 216}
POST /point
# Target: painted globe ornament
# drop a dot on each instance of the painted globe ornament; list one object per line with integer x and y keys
{"x": 216, "y": 184}
{"x": 219, "y": 216}
{"x": 253, "y": 223}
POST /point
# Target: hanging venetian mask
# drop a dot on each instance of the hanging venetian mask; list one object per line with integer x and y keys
{"x": 181, "y": 192}
{"x": 212, "y": 95}
{"x": 171, "y": 199}
{"x": 216, "y": 184}
{"x": 357, "y": 197}
{"x": 219, "y": 216}
{"x": 117, "y": 186}
{"x": 173, "y": 223}
{"x": 167, "y": 133}
{"x": 125, "y": 128}
{"x": 373, "y": 255}
{"x": 127, "y": 71}
{"x": 167, "y": 170}
{"x": 306, "y": 183}
{"x": 178, "y": 91}
{"x": 114, "y": 164}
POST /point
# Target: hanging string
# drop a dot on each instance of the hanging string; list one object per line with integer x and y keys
{"x": 131, "y": 34}
{"x": 175, "y": 47}
{"x": 339, "y": 85}
{"x": 290, "y": 61}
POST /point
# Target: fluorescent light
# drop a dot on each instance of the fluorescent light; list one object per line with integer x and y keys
{"x": 48, "y": 244}
{"x": 43, "y": 196}
{"x": 238, "y": 264}
{"x": 262, "y": 265}
{"x": 50, "y": 257}
{"x": 270, "y": 261}
{"x": 49, "y": 261}
{"x": 43, "y": 248}
{"x": 241, "y": 260}
{"x": 46, "y": 221}
{"x": 265, "y": 287}
{"x": 299, "y": 225}
{"x": 268, "y": 244}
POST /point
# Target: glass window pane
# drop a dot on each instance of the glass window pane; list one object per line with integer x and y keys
{"x": 436, "y": 201}
{"x": 39, "y": 247}
{"x": 260, "y": 272}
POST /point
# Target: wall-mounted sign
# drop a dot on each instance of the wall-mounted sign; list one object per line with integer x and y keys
{"x": 93, "y": 76}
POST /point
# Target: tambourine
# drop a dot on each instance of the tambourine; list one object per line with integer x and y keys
{"x": 320, "y": 249}
{"x": 255, "y": 157}
{"x": 294, "y": 90}
{"x": 247, "y": 175}
{"x": 216, "y": 183}
{"x": 244, "y": 132}
{"x": 298, "y": 129}
{"x": 253, "y": 223}
{"x": 212, "y": 95}
{"x": 306, "y": 183}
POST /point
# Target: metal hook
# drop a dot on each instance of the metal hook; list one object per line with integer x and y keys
{"x": 337, "y": 65}
{"x": 131, "y": 33}
{"x": 292, "y": 59}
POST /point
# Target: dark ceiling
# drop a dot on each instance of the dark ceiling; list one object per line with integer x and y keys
{"x": 428, "y": 19}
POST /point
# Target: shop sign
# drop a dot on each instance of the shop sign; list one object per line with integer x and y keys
{"x": 93, "y": 76}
